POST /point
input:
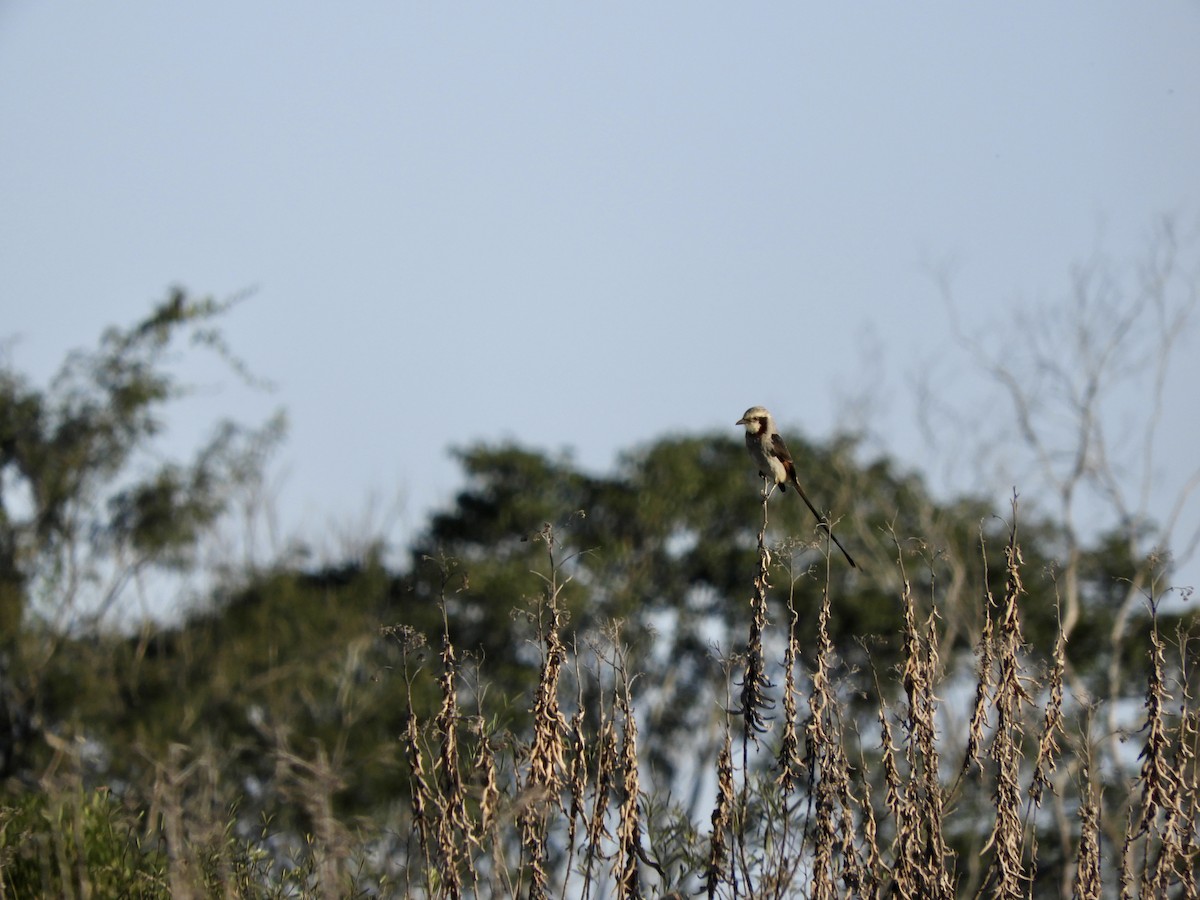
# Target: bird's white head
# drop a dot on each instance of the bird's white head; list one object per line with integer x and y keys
{"x": 757, "y": 420}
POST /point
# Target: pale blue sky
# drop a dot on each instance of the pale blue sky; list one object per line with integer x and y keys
{"x": 578, "y": 225}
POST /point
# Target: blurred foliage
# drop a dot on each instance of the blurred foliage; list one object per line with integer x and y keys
{"x": 87, "y": 505}
{"x": 76, "y": 843}
{"x": 290, "y": 687}
{"x": 69, "y": 842}
{"x": 296, "y": 660}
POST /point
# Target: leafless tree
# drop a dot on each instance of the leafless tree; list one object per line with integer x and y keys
{"x": 1083, "y": 383}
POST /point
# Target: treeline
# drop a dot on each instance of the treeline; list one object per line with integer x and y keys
{"x": 627, "y": 684}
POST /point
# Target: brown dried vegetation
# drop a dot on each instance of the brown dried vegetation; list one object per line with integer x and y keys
{"x": 826, "y": 811}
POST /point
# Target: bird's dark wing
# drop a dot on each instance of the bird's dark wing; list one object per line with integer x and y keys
{"x": 779, "y": 449}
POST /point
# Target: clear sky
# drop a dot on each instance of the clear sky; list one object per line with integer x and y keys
{"x": 580, "y": 225}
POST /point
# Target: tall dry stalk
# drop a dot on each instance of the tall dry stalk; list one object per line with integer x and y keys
{"x": 1087, "y": 884}
{"x": 629, "y": 827}
{"x": 916, "y": 802}
{"x": 1166, "y": 825}
{"x": 984, "y": 665}
{"x": 722, "y": 822}
{"x": 584, "y": 827}
{"x": 788, "y": 760}
{"x": 452, "y": 822}
{"x": 578, "y": 776}
{"x": 1006, "y": 842}
{"x": 1045, "y": 762}
{"x": 755, "y": 683}
{"x": 821, "y": 736}
{"x": 724, "y": 810}
{"x": 443, "y": 824}
{"x": 607, "y": 765}
{"x": 547, "y": 756}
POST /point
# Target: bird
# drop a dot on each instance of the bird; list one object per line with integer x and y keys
{"x": 771, "y": 455}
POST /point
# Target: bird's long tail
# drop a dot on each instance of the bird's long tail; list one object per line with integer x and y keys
{"x": 824, "y": 523}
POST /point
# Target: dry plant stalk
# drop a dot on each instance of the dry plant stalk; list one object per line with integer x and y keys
{"x": 916, "y": 803}
{"x": 629, "y": 829}
{"x": 906, "y": 866}
{"x": 984, "y": 663}
{"x": 1166, "y": 825}
{"x": 167, "y": 813}
{"x": 873, "y": 865}
{"x": 313, "y": 784}
{"x": 578, "y": 772}
{"x": 444, "y": 825}
{"x": 1048, "y": 749}
{"x": 420, "y": 790}
{"x": 1087, "y": 884}
{"x": 788, "y": 759}
{"x": 833, "y": 847}
{"x": 937, "y": 875}
{"x": 1157, "y": 777}
{"x": 452, "y": 822}
{"x": 590, "y": 774}
{"x": 544, "y": 779}
{"x": 1007, "y": 837}
{"x": 722, "y": 819}
{"x": 822, "y": 699}
{"x": 755, "y": 684}
{"x": 836, "y": 859}
{"x": 607, "y": 762}
{"x": 1184, "y": 852}
{"x": 1126, "y": 879}
{"x": 489, "y": 799}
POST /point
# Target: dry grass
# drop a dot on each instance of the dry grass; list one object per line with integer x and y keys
{"x": 820, "y": 801}
{"x": 808, "y": 814}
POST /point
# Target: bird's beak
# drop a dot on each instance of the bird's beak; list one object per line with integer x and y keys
{"x": 740, "y": 422}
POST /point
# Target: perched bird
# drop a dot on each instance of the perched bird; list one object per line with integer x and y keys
{"x": 770, "y": 454}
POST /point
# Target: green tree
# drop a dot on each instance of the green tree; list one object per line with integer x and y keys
{"x": 290, "y": 671}
{"x": 284, "y": 689}
{"x": 85, "y": 507}
{"x": 667, "y": 544}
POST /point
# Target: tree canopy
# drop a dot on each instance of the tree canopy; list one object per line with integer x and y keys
{"x": 294, "y": 686}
